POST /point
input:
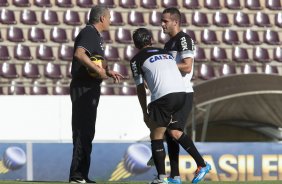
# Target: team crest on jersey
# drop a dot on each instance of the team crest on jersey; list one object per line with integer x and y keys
{"x": 160, "y": 57}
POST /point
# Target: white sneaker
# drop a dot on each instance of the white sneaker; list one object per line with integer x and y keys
{"x": 159, "y": 181}
{"x": 77, "y": 181}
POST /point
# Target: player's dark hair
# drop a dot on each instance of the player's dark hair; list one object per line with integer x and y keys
{"x": 96, "y": 13}
{"x": 174, "y": 12}
{"x": 142, "y": 37}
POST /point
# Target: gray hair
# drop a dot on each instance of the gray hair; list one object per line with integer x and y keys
{"x": 96, "y": 13}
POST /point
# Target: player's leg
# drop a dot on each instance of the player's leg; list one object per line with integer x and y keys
{"x": 85, "y": 101}
{"x": 188, "y": 145}
{"x": 158, "y": 150}
{"x": 173, "y": 153}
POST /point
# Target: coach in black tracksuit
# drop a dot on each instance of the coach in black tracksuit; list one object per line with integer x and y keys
{"x": 85, "y": 91}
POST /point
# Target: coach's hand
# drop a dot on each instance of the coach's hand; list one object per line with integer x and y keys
{"x": 115, "y": 75}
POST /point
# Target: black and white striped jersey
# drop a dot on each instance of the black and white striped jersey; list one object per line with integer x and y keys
{"x": 182, "y": 46}
{"x": 158, "y": 68}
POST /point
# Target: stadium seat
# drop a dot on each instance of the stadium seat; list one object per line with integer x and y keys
{"x": 36, "y": 34}
{"x": 155, "y": 18}
{"x": 38, "y": 88}
{"x": 209, "y": 37}
{"x": 233, "y": 4}
{"x": 86, "y": 16}
{"x": 251, "y": 37}
{"x": 240, "y": 54}
{"x": 22, "y": 52}
{"x": 221, "y": 19}
{"x": 28, "y": 17}
{"x": 68, "y": 70}
{"x": 184, "y": 21}
{"x": 128, "y": 4}
{"x": 200, "y": 55}
{"x": 16, "y": 88}
{"x": 52, "y": 71}
{"x": 21, "y": 3}
{"x": 116, "y": 18}
{"x": 71, "y": 18}
{"x": 278, "y": 19}
{"x": 273, "y": 5}
{"x": 218, "y": 54}
{"x": 169, "y": 3}
{"x": 121, "y": 68}
{"x": 61, "y": 88}
{"x": 74, "y": 32}
{"x": 15, "y": 34}
{"x": 49, "y": 17}
{"x": 212, "y": 4}
{"x": 270, "y": 69}
{"x": 111, "y": 53}
{"x": 206, "y": 71}
{"x": 261, "y": 55}
{"x": 42, "y": 3}
{"x": 247, "y": 69}
{"x": 107, "y": 3}
{"x": 123, "y": 36}
{"x": 200, "y": 19}
{"x": 253, "y": 5}
{"x": 126, "y": 89}
{"x": 4, "y": 3}
{"x": 230, "y": 37}
{"x": 191, "y": 4}
{"x": 227, "y": 69}
{"x": 84, "y": 3}
{"x": 1, "y": 39}
{"x": 7, "y": 16}
{"x": 4, "y": 53}
{"x": 242, "y": 19}
{"x": 9, "y": 71}
{"x": 106, "y": 37}
{"x": 64, "y": 3}
{"x": 135, "y": 18}
{"x": 30, "y": 71}
{"x": 149, "y": 4}
{"x": 277, "y": 54}
{"x": 1, "y": 91}
{"x": 44, "y": 53}
{"x": 107, "y": 88}
{"x": 162, "y": 38}
{"x": 58, "y": 35}
{"x": 65, "y": 52}
{"x": 271, "y": 37}
{"x": 129, "y": 52}
{"x": 262, "y": 20}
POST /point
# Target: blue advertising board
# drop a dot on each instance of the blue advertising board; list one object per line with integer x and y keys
{"x": 127, "y": 161}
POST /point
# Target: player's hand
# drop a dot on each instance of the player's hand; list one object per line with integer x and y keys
{"x": 115, "y": 75}
{"x": 146, "y": 119}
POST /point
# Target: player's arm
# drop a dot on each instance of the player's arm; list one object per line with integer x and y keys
{"x": 186, "y": 49}
{"x": 186, "y": 65}
{"x": 80, "y": 55}
{"x": 142, "y": 97}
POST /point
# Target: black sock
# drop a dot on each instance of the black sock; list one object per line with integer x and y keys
{"x": 173, "y": 153}
{"x": 158, "y": 153}
{"x": 189, "y": 146}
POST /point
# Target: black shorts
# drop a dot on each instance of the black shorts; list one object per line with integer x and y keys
{"x": 182, "y": 115}
{"x": 163, "y": 109}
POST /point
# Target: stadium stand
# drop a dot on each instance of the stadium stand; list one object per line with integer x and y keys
{"x": 36, "y": 37}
